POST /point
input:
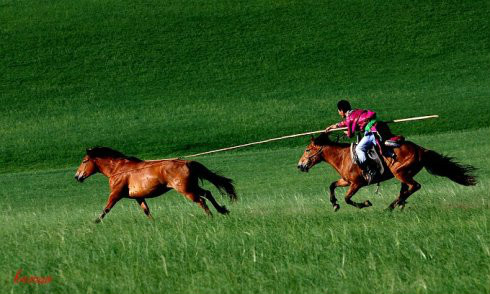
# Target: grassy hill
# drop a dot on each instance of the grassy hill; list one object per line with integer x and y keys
{"x": 170, "y": 78}
{"x": 159, "y": 79}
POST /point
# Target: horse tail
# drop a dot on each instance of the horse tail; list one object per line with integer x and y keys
{"x": 441, "y": 165}
{"x": 224, "y": 185}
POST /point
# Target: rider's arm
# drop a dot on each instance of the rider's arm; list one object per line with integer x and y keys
{"x": 351, "y": 128}
{"x": 336, "y": 126}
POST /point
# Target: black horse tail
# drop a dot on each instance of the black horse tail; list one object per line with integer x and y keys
{"x": 224, "y": 185}
{"x": 444, "y": 166}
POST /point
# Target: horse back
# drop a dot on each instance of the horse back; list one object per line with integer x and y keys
{"x": 168, "y": 171}
{"x": 408, "y": 156}
{"x": 408, "y": 151}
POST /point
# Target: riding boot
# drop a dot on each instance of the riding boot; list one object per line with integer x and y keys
{"x": 373, "y": 172}
{"x": 365, "y": 171}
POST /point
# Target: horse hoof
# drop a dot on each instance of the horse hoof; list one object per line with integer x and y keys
{"x": 224, "y": 210}
{"x": 336, "y": 207}
{"x": 368, "y": 203}
{"x": 389, "y": 208}
{"x": 97, "y": 220}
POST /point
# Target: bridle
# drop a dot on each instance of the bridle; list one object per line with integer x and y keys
{"x": 321, "y": 150}
{"x": 314, "y": 155}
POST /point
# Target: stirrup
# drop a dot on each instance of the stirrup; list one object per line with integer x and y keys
{"x": 367, "y": 176}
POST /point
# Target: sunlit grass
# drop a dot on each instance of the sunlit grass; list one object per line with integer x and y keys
{"x": 160, "y": 79}
{"x": 282, "y": 235}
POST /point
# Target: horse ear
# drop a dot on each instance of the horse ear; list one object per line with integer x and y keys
{"x": 312, "y": 138}
{"x": 89, "y": 151}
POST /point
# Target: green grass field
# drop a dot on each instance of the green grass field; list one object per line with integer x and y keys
{"x": 167, "y": 78}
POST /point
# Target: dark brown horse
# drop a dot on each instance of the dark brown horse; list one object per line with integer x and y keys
{"x": 410, "y": 159}
{"x": 130, "y": 177}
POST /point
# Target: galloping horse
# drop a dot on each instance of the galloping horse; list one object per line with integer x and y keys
{"x": 410, "y": 159}
{"x": 130, "y": 177}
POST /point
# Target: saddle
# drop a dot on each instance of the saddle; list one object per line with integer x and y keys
{"x": 386, "y": 138}
{"x": 374, "y": 160}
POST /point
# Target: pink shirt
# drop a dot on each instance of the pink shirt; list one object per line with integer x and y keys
{"x": 356, "y": 120}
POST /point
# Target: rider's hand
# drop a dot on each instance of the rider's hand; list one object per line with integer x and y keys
{"x": 329, "y": 128}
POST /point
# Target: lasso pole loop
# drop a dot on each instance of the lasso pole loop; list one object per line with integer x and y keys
{"x": 299, "y": 135}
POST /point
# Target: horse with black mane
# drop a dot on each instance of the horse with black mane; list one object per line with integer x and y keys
{"x": 409, "y": 159}
{"x": 130, "y": 177}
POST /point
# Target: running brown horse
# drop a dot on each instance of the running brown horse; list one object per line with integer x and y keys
{"x": 410, "y": 159}
{"x": 130, "y": 177}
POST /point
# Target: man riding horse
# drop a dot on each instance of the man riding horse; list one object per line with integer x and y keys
{"x": 402, "y": 162}
{"x": 374, "y": 133}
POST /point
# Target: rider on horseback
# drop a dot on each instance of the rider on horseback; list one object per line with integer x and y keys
{"x": 363, "y": 121}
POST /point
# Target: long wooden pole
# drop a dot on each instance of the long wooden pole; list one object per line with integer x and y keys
{"x": 301, "y": 135}
{"x": 259, "y": 142}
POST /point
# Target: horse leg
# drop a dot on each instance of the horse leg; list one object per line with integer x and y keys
{"x": 409, "y": 186}
{"x": 354, "y": 187}
{"x": 145, "y": 207}
{"x": 194, "y": 197}
{"x": 333, "y": 200}
{"x": 114, "y": 197}
{"x": 192, "y": 192}
{"x": 413, "y": 187}
{"x": 403, "y": 190}
{"x": 221, "y": 209}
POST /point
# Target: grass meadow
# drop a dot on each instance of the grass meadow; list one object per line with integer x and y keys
{"x": 280, "y": 237}
{"x": 158, "y": 79}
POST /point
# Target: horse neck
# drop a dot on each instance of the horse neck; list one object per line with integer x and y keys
{"x": 334, "y": 155}
{"x": 108, "y": 166}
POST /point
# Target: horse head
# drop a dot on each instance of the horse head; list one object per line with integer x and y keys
{"x": 87, "y": 168}
{"x": 312, "y": 155}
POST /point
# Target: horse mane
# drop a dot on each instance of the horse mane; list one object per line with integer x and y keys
{"x": 106, "y": 152}
{"x": 324, "y": 140}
